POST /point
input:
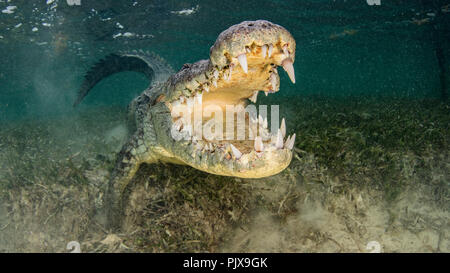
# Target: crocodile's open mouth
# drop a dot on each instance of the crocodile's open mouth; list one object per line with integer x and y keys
{"x": 243, "y": 61}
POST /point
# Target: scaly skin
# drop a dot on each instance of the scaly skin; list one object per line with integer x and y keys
{"x": 153, "y": 119}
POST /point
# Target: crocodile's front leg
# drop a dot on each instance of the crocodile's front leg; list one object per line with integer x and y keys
{"x": 133, "y": 154}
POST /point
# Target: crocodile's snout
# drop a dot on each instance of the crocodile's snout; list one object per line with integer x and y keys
{"x": 238, "y": 39}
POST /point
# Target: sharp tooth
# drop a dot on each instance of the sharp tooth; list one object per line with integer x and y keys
{"x": 289, "y": 68}
{"x": 283, "y": 127}
{"x": 215, "y": 83}
{"x": 206, "y": 87}
{"x": 286, "y": 51}
{"x": 290, "y": 146}
{"x": 270, "y": 50}
{"x": 237, "y": 154}
{"x": 254, "y": 97}
{"x": 248, "y": 50}
{"x": 216, "y": 74}
{"x": 259, "y": 146}
{"x": 243, "y": 62}
{"x": 266, "y": 92}
{"x": 231, "y": 71}
{"x": 279, "y": 143}
{"x": 273, "y": 81}
{"x": 178, "y": 124}
{"x": 264, "y": 51}
{"x": 288, "y": 140}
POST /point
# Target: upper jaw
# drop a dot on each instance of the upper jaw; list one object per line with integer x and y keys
{"x": 256, "y": 36}
{"x": 235, "y": 40}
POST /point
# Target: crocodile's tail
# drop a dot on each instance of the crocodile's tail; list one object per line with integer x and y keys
{"x": 148, "y": 63}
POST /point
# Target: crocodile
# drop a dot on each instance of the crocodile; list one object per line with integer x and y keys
{"x": 243, "y": 61}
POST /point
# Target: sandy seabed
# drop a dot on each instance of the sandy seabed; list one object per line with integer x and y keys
{"x": 368, "y": 174}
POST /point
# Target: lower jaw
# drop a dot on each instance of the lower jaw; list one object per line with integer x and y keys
{"x": 249, "y": 158}
{"x": 258, "y": 168}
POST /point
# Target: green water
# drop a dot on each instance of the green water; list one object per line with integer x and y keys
{"x": 368, "y": 108}
{"x": 343, "y": 47}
